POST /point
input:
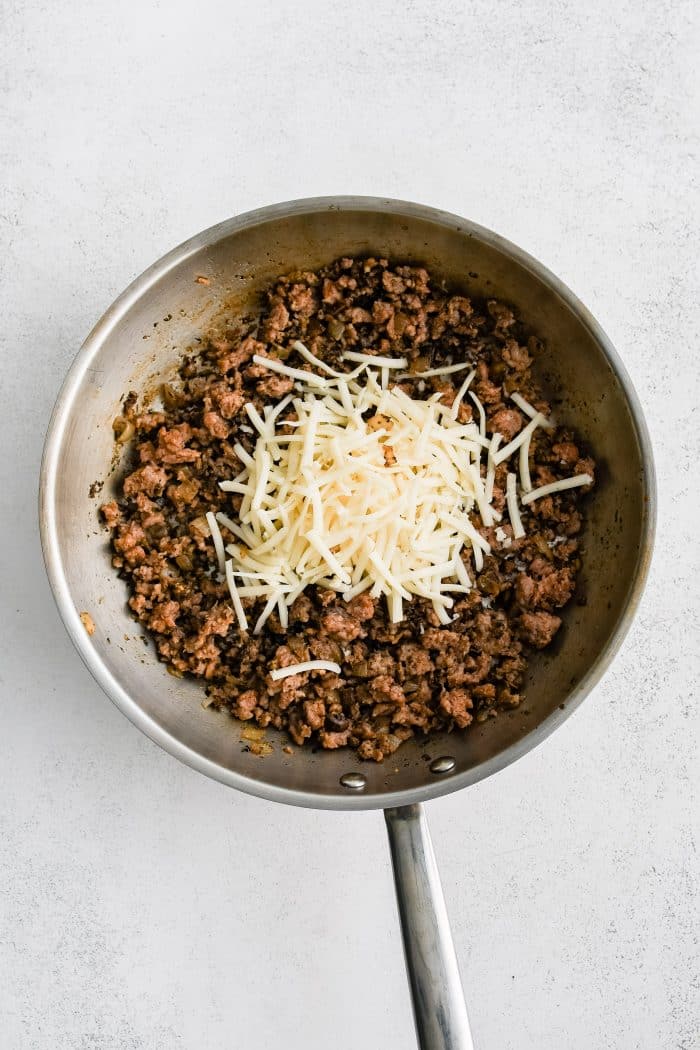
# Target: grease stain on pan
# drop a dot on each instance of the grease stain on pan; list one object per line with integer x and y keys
{"x": 256, "y": 742}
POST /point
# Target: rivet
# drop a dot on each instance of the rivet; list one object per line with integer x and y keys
{"x": 444, "y": 764}
{"x": 354, "y": 781}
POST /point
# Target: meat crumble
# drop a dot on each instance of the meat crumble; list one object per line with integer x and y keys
{"x": 397, "y": 680}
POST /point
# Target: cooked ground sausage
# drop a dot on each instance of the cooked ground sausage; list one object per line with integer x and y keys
{"x": 396, "y": 680}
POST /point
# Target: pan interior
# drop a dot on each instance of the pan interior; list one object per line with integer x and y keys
{"x": 138, "y": 343}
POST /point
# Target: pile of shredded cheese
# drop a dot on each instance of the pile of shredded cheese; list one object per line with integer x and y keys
{"x": 367, "y": 490}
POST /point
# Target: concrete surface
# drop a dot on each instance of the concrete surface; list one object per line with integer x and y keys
{"x": 146, "y": 908}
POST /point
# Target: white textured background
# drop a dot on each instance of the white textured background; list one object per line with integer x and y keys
{"x": 144, "y": 907}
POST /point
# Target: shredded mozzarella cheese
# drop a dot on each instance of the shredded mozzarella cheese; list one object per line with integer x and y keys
{"x": 446, "y": 370}
{"x": 454, "y": 411}
{"x": 218, "y": 541}
{"x": 306, "y": 665}
{"x": 513, "y": 509}
{"x": 235, "y": 598}
{"x": 530, "y": 410}
{"x": 375, "y": 361}
{"x": 557, "y": 486}
{"x": 366, "y": 489}
{"x": 481, "y": 411}
{"x": 525, "y": 482}
{"x": 524, "y": 435}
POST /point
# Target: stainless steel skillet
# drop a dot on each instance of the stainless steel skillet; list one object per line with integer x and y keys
{"x": 137, "y": 342}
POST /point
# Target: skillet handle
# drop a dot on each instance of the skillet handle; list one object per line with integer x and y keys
{"x": 436, "y": 988}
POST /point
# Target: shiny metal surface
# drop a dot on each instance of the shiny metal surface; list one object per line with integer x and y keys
{"x": 442, "y": 765}
{"x": 354, "y": 781}
{"x": 433, "y": 974}
{"x": 137, "y": 343}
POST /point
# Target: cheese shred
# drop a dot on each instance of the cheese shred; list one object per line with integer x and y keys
{"x": 513, "y": 509}
{"x": 308, "y": 665}
{"x": 557, "y": 486}
{"x": 218, "y": 541}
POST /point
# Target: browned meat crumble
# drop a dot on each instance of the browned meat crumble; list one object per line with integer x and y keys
{"x": 396, "y": 680}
